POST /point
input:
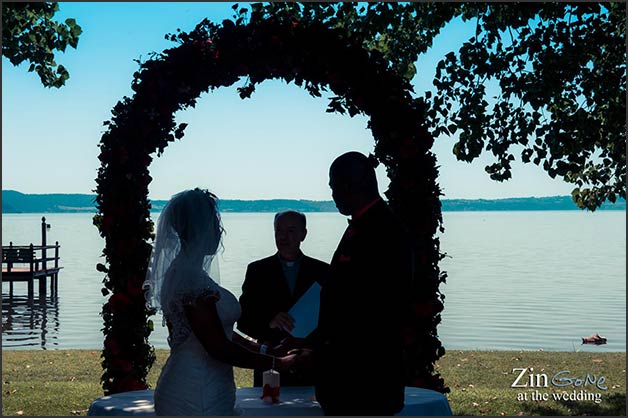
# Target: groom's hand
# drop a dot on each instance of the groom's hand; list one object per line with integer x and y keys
{"x": 288, "y": 344}
{"x": 282, "y": 321}
{"x": 285, "y": 363}
{"x": 302, "y": 359}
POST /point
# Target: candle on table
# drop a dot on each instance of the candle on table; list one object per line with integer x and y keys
{"x": 270, "y": 383}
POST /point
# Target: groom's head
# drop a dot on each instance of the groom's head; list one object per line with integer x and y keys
{"x": 353, "y": 182}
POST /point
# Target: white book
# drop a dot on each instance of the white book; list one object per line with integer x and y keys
{"x": 305, "y": 312}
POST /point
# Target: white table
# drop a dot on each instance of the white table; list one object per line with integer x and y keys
{"x": 295, "y": 401}
{"x": 137, "y": 402}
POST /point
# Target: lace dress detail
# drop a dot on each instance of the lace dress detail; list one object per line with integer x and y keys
{"x": 192, "y": 382}
{"x": 174, "y": 313}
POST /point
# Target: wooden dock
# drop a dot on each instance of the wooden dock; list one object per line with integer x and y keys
{"x": 27, "y": 263}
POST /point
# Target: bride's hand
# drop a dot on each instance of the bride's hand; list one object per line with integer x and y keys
{"x": 299, "y": 358}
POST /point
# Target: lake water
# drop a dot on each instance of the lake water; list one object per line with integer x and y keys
{"x": 517, "y": 280}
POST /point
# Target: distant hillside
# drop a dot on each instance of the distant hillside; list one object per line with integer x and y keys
{"x": 16, "y": 202}
{"x": 276, "y": 205}
{"x": 522, "y": 203}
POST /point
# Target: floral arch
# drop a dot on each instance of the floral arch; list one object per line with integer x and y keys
{"x": 211, "y": 56}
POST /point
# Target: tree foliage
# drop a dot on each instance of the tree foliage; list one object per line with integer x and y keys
{"x": 561, "y": 70}
{"x": 542, "y": 81}
{"x": 30, "y": 34}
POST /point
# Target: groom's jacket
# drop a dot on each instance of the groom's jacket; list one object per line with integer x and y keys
{"x": 358, "y": 357}
{"x": 265, "y": 293}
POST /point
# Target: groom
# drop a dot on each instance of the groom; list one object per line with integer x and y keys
{"x": 357, "y": 348}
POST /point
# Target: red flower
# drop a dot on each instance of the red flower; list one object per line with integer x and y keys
{"x": 106, "y": 224}
{"x": 145, "y": 180}
{"x": 409, "y": 336}
{"x": 134, "y": 287}
{"x": 122, "y": 156}
{"x": 112, "y": 345}
{"x": 124, "y": 365}
{"x": 407, "y": 183}
{"x": 129, "y": 383}
{"x": 126, "y": 247}
{"x": 104, "y": 156}
{"x": 409, "y": 148}
{"x": 423, "y": 309}
{"x": 145, "y": 160}
{"x": 164, "y": 110}
{"x": 425, "y": 228}
{"x": 118, "y": 301}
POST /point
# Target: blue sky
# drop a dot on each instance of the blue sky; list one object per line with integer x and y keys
{"x": 278, "y": 144}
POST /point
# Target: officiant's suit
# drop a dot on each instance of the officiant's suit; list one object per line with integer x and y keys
{"x": 265, "y": 293}
{"x": 357, "y": 355}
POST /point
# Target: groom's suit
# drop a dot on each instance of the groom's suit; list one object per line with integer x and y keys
{"x": 265, "y": 293}
{"x": 357, "y": 353}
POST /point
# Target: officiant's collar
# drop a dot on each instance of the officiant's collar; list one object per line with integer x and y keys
{"x": 290, "y": 263}
{"x": 364, "y": 209}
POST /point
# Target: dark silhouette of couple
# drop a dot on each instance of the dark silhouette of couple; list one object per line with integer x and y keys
{"x": 353, "y": 358}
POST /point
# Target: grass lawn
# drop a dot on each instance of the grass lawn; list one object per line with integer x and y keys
{"x": 480, "y": 382}
{"x": 65, "y": 382}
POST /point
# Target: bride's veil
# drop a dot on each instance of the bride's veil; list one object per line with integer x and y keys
{"x": 188, "y": 231}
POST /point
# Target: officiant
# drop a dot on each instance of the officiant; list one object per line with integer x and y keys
{"x": 273, "y": 285}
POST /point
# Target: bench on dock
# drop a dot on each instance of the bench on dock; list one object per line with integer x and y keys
{"x": 23, "y": 263}
{"x": 11, "y": 255}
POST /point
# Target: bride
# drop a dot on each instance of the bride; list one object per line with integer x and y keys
{"x": 197, "y": 378}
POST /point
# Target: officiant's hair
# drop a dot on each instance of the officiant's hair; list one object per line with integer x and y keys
{"x": 357, "y": 170}
{"x": 299, "y": 215}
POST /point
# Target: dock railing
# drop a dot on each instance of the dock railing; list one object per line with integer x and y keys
{"x": 34, "y": 263}
{"x": 27, "y": 254}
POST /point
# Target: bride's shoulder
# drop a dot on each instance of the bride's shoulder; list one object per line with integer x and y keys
{"x": 204, "y": 296}
{"x": 189, "y": 285}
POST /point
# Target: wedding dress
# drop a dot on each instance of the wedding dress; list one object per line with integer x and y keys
{"x": 192, "y": 382}
{"x": 188, "y": 236}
